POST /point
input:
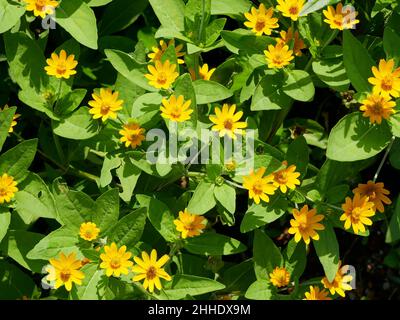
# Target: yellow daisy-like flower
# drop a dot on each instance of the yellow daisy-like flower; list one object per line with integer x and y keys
{"x": 41, "y": 8}
{"x": 287, "y": 37}
{"x": 290, "y": 8}
{"x": 261, "y": 21}
{"x": 159, "y": 51}
{"x": 61, "y": 66}
{"x": 375, "y": 192}
{"x": 204, "y": 72}
{"x": 190, "y": 225}
{"x": 105, "y": 105}
{"x": 286, "y": 178}
{"x": 386, "y": 81}
{"x": 340, "y": 19}
{"x": 162, "y": 75}
{"x": 66, "y": 271}
{"x": 8, "y": 188}
{"x": 341, "y": 282}
{"x": 151, "y": 270}
{"x": 278, "y": 56}
{"x": 259, "y": 186}
{"x": 305, "y": 223}
{"x": 377, "y": 107}
{"x": 357, "y": 213}
{"x": 316, "y": 293}
{"x": 227, "y": 121}
{"x": 176, "y": 109}
{"x": 115, "y": 261}
{"x": 132, "y": 135}
{"x": 89, "y": 231}
{"x": 279, "y": 277}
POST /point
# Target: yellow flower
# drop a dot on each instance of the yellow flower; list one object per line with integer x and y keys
{"x": 316, "y": 294}
{"x": 151, "y": 270}
{"x": 227, "y": 121}
{"x": 176, "y": 109}
{"x": 132, "y": 134}
{"x": 340, "y": 19}
{"x": 386, "y": 81}
{"x": 41, "y": 8}
{"x": 375, "y": 192}
{"x": 341, "y": 282}
{"x": 159, "y": 51}
{"x": 278, "y": 56}
{"x": 261, "y": 21}
{"x": 259, "y": 187}
{"x": 357, "y": 212}
{"x": 61, "y": 66}
{"x": 305, "y": 223}
{"x": 287, "y": 37}
{"x": 279, "y": 277}
{"x": 89, "y": 231}
{"x": 14, "y": 120}
{"x": 286, "y": 178}
{"x": 8, "y": 188}
{"x": 115, "y": 261}
{"x": 204, "y": 73}
{"x": 290, "y": 8}
{"x": 162, "y": 75}
{"x": 66, "y": 271}
{"x": 105, "y": 105}
{"x": 190, "y": 225}
{"x": 378, "y": 107}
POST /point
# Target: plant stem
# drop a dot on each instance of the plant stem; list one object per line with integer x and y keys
{"x": 384, "y": 159}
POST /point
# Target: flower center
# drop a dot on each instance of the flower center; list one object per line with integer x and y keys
{"x": 355, "y": 215}
{"x": 115, "y": 263}
{"x": 176, "y": 113}
{"x": 338, "y": 21}
{"x": 257, "y": 188}
{"x": 162, "y": 78}
{"x": 40, "y": 4}
{"x": 3, "y": 191}
{"x": 61, "y": 68}
{"x": 65, "y": 275}
{"x": 228, "y": 124}
{"x": 294, "y": 10}
{"x": 260, "y": 24}
{"x": 277, "y": 59}
{"x": 376, "y": 108}
{"x": 151, "y": 273}
{"x": 387, "y": 84}
{"x": 88, "y": 234}
{"x": 281, "y": 177}
{"x": 104, "y": 109}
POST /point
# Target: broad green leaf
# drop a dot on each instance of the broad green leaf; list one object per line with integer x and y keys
{"x": 128, "y": 175}
{"x": 184, "y": 87}
{"x": 214, "y": 244}
{"x": 203, "y": 199}
{"x": 298, "y": 155}
{"x": 315, "y": 5}
{"x": 170, "y": 13}
{"x": 245, "y": 40}
{"x": 129, "y": 229}
{"x": 394, "y": 121}
{"x": 5, "y": 219}
{"x": 259, "y": 290}
{"x": 295, "y": 257}
{"x": 354, "y": 138}
{"x": 70, "y": 101}
{"x": 299, "y": 86}
{"x": 79, "y": 20}
{"x": 6, "y": 117}
{"x": 107, "y": 210}
{"x": 10, "y": 13}
{"x": 393, "y": 231}
{"x": 160, "y": 217}
{"x": 16, "y": 161}
{"x": 14, "y": 283}
{"x": 183, "y": 285}
{"x": 227, "y": 7}
{"x": 239, "y": 276}
{"x": 210, "y": 91}
{"x": 332, "y": 72}
{"x": 390, "y": 43}
{"x": 110, "y": 163}
{"x": 266, "y": 255}
{"x": 357, "y": 61}
{"x": 226, "y": 196}
{"x": 327, "y": 248}
{"x": 93, "y": 285}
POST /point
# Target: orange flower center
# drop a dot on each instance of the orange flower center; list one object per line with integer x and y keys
{"x": 88, "y": 234}
{"x": 387, "y": 84}
{"x": 61, "y": 68}
{"x": 260, "y": 25}
{"x": 355, "y": 215}
{"x": 40, "y": 5}
{"x": 176, "y": 113}
{"x": 338, "y": 21}
{"x": 281, "y": 177}
{"x": 115, "y": 263}
{"x": 151, "y": 273}
{"x": 228, "y": 124}
{"x": 277, "y": 59}
{"x": 65, "y": 275}
{"x": 3, "y": 191}
{"x": 257, "y": 188}
{"x": 162, "y": 78}
{"x": 294, "y": 10}
{"x": 105, "y": 109}
{"x": 376, "y": 109}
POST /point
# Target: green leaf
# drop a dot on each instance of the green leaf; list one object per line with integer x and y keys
{"x": 245, "y": 41}
{"x": 183, "y": 285}
{"x": 261, "y": 214}
{"x": 390, "y": 44}
{"x": 184, "y": 87}
{"x": 259, "y": 290}
{"x": 203, "y": 199}
{"x": 327, "y": 248}
{"x": 5, "y": 219}
{"x": 16, "y": 161}
{"x": 393, "y": 232}
{"x": 129, "y": 229}
{"x": 128, "y": 175}
{"x": 109, "y": 164}
{"x": 160, "y": 217}
{"x": 266, "y": 255}
{"x": 298, "y": 155}
{"x": 77, "y": 126}
{"x": 6, "y": 117}
{"x": 107, "y": 210}
{"x": 394, "y": 121}
{"x": 357, "y": 61}
{"x": 354, "y": 138}
{"x": 210, "y": 91}
{"x": 315, "y": 5}
{"x": 214, "y": 244}
{"x": 227, "y": 7}
{"x": 295, "y": 257}
{"x": 70, "y": 101}
{"x": 34, "y": 200}
{"x": 269, "y": 94}
{"x": 299, "y": 86}
{"x": 9, "y": 15}
{"x": 93, "y": 285}
{"x": 226, "y": 196}
{"x": 14, "y": 283}
{"x": 170, "y": 13}
{"x": 61, "y": 240}
{"x": 79, "y": 20}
